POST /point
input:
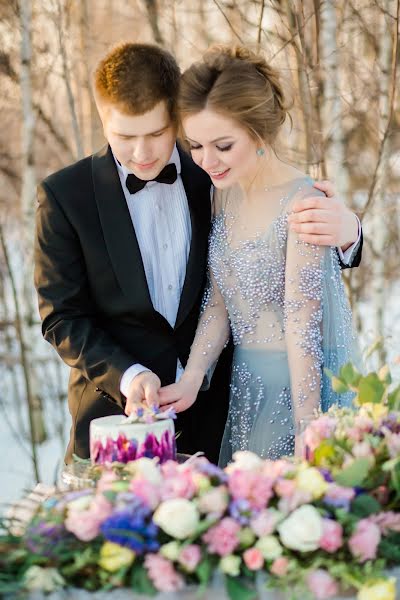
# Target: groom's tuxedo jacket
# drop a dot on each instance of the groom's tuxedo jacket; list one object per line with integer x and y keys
{"x": 95, "y": 303}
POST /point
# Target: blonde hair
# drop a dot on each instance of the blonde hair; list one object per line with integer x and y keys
{"x": 238, "y": 83}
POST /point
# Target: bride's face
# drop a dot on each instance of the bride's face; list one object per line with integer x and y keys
{"x": 221, "y": 147}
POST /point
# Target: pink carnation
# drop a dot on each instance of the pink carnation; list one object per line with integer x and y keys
{"x": 318, "y": 430}
{"x": 332, "y": 535}
{"x": 264, "y": 523}
{"x": 253, "y": 559}
{"x": 162, "y": 573}
{"x": 147, "y": 491}
{"x": 321, "y": 584}
{"x": 223, "y": 538}
{"x": 178, "y": 482}
{"x": 190, "y": 557}
{"x": 387, "y": 521}
{"x": 85, "y": 524}
{"x": 254, "y": 487}
{"x": 277, "y": 468}
{"x": 280, "y": 566}
{"x": 364, "y": 541}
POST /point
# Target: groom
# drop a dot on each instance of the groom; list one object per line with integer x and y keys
{"x": 120, "y": 255}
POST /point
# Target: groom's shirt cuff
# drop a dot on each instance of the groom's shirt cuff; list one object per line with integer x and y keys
{"x": 347, "y": 256}
{"x": 129, "y": 376}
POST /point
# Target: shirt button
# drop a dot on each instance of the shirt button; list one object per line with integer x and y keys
{"x": 165, "y": 246}
{"x": 170, "y": 287}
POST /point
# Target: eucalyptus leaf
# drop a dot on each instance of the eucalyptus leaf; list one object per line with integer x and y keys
{"x": 354, "y": 474}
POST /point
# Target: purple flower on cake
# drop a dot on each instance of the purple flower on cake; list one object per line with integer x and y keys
{"x": 124, "y": 450}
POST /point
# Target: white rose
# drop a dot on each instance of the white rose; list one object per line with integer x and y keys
{"x": 302, "y": 530}
{"x": 178, "y": 517}
{"x": 245, "y": 461}
{"x": 147, "y": 468}
{"x": 269, "y": 547}
{"x": 44, "y": 580}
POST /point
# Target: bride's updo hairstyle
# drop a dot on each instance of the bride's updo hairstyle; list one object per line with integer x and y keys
{"x": 239, "y": 84}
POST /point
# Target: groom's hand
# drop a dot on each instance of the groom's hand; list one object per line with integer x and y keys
{"x": 144, "y": 388}
{"x": 322, "y": 221}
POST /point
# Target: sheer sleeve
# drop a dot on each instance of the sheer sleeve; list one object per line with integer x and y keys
{"x": 303, "y": 324}
{"x": 213, "y": 330}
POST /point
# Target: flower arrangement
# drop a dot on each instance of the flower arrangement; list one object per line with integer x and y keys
{"x": 316, "y": 526}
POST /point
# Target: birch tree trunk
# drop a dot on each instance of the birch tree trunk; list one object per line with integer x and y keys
{"x": 332, "y": 120}
{"x": 24, "y": 310}
{"x": 380, "y": 208}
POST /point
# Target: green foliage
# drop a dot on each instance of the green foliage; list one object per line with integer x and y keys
{"x": 140, "y": 581}
{"x": 354, "y": 474}
{"x": 237, "y": 589}
{"x": 365, "y": 505}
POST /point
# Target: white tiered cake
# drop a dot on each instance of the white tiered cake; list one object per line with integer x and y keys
{"x": 122, "y": 439}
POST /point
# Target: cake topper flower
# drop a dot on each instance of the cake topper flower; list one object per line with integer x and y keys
{"x": 146, "y": 414}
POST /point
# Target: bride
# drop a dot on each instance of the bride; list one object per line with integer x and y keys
{"x": 281, "y": 299}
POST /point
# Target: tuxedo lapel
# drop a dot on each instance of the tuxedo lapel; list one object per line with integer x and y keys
{"x": 119, "y": 233}
{"x": 197, "y": 187}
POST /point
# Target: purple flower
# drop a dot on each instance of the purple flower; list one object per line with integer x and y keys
{"x": 204, "y": 466}
{"x": 241, "y": 511}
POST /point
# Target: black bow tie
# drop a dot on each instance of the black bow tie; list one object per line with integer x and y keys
{"x": 167, "y": 175}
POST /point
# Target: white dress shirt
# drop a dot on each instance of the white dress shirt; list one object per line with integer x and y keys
{"x": 161, "y": 218}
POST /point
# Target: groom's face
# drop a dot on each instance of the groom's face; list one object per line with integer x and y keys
{"x": 142, "y": 143}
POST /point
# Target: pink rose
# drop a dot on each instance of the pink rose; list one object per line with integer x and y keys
{"x": 189, "y": 557}
{"x": 147, "y": 491}
{"x": 251, "y": 486}
{"x": 178, "y": 482}
{"x": 332, "y": 535}
{"x": 264, "y": 523}
{"x": 280, "y": 566}
{"x": 162, "y": 573}
{"x": 285, "y": 488}
{"x": 223, "y": 538}
{"x": 321, "y": 584}
{"x": 253, "y": 559}
{"x": 82, "y": 524}
{"x": 364, "y": 541}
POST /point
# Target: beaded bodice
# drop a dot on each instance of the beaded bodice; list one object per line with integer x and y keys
{"x": 267, "y": 288}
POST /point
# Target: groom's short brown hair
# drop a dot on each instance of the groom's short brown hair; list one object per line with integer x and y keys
{"x": 136, "y": 77}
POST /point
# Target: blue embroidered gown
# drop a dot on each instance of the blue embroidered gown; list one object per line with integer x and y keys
{"x": 284, "y": 303}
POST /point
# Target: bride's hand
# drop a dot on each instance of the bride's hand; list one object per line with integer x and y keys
{"x": 180, "y": 396}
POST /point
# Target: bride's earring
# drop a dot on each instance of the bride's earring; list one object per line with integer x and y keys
{"x": 260, "y": 151}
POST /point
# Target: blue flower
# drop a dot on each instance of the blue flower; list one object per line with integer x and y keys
{"x": 241, "y": 511}
{"x": 131, "y": 528}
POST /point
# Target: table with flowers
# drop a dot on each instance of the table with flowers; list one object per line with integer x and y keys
{"x": 324, "y": 527}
